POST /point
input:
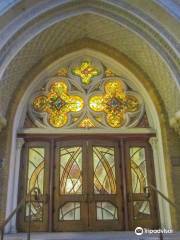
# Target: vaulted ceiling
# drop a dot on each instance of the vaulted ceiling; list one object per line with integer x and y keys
{"x": 40, "y": 37}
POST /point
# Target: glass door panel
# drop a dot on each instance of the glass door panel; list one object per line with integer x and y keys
{"x": 104, "y": 170}
{"x": 70, "y": 187}
{"x": 70, "y": 181}
{"x": 140, "y": 173}
{"x": 34, "y": 179}
{"x": 81, "y": 187}
{"x": 105, "y": 196}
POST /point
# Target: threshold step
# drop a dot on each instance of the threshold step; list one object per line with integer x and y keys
{"x": 91, "y": 236}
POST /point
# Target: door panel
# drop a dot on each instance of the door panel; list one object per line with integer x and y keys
{"x": 81, "y": 185}
{"x": 105, "y": 194}
{"x": 140, "y": 172}
{"x": 70, "y": 187}
{"x": 35, "y": 174}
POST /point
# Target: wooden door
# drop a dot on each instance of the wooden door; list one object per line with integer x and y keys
{"x": 88, "y": 185}
{"x": 70, "y": 199}
{"x": 87, "y": 193}
{"x": 34, "y": 173}
{"x": 105, "y": 203}
{"x": 142, "y": 208}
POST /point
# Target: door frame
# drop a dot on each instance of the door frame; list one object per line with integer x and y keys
{"x": 121, "y": 138}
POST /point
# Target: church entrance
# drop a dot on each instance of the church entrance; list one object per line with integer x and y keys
{"x": 87, "y": 183}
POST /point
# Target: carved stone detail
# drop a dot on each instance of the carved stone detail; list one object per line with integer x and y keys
{"x": 20, "y": 142}
{"x": 175, "y": 122}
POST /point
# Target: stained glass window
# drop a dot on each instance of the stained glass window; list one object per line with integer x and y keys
{"x": 35, "y": 179}
{"x": 86, "y": 94}
{"x": 104, "y": 170}
{"x": 138, "y": 169}
{"x": 70, "y": 181}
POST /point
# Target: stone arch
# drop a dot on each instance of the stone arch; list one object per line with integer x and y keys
{"x": 163, "y": 170}
{"x": 132, "y": 19}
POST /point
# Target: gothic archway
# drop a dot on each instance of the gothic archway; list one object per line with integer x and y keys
{"x": 116, "y": 72}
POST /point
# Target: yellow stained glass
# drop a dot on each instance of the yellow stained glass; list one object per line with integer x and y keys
{"x": 114, "y": 102}
{"x": 58, "y": 103}
{"x": 86, "y": 71}
{"x": 109, "y": 73}
{"x": 86, "y": 123}
{"x": 62, "y": 72}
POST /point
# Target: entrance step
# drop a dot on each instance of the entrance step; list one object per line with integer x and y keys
{"x": 92, "y": 236}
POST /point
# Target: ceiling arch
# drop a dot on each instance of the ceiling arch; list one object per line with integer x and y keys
{"x": 46, "y": 26}
{"x": 46, "y": 13}
{"x": 97, "y": 28}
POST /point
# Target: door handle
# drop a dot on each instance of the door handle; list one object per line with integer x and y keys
{"x": 147, "y": 192}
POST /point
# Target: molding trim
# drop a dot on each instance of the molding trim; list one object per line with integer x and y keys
{"x": 87, "y": 131}
{"x": 120, "y": 12}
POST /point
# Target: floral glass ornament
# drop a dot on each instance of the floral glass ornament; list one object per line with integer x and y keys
{"x": 115, "y": 102}
{"x": 85, "y": 71}
{"x": 58, "y": 103}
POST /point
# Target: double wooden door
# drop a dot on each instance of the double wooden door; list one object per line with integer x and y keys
{"x": 86, "y": 185}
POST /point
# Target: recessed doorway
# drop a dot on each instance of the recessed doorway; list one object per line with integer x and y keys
{"x": 88, "y": 183}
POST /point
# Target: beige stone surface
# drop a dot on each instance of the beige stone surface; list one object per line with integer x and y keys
{"x": 103, "y": 30}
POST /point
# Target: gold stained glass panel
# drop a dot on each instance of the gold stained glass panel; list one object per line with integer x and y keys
{"x": 35, "y": 179}
{"x": 86, "y": 123}
{"x": 36, "y": 169}
{"x": 70, "y": 181}
{"x": 115, "y": 103}
{"x": 57, "y": 103}
{"x": 104, "y": 170}
{"x": 86, "y": 71}
{"x": 138, "y": 169}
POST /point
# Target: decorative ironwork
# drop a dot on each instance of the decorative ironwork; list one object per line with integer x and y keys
{"x": 138, "y": 169}
{"x": 104, "y": 170}
{"x": 70, "y": 181}
{"x": 70, "y": 211}
{"x": 106, "y": 211}
{"x": 141, "y": 209}
{"x": 36, "y": 211}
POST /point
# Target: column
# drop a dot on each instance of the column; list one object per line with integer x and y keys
{"x": 161, "y": 183}
{"x": 19, "y": 145}
{"x": 3, "y": 122}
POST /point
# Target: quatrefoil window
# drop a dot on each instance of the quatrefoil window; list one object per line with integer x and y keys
{"x": 57, "y": 104}
{"x": 115, "y": 103}
{"x": 86, "y": 95}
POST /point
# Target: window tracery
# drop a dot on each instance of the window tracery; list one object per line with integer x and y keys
{"x": 86, "y": 94}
